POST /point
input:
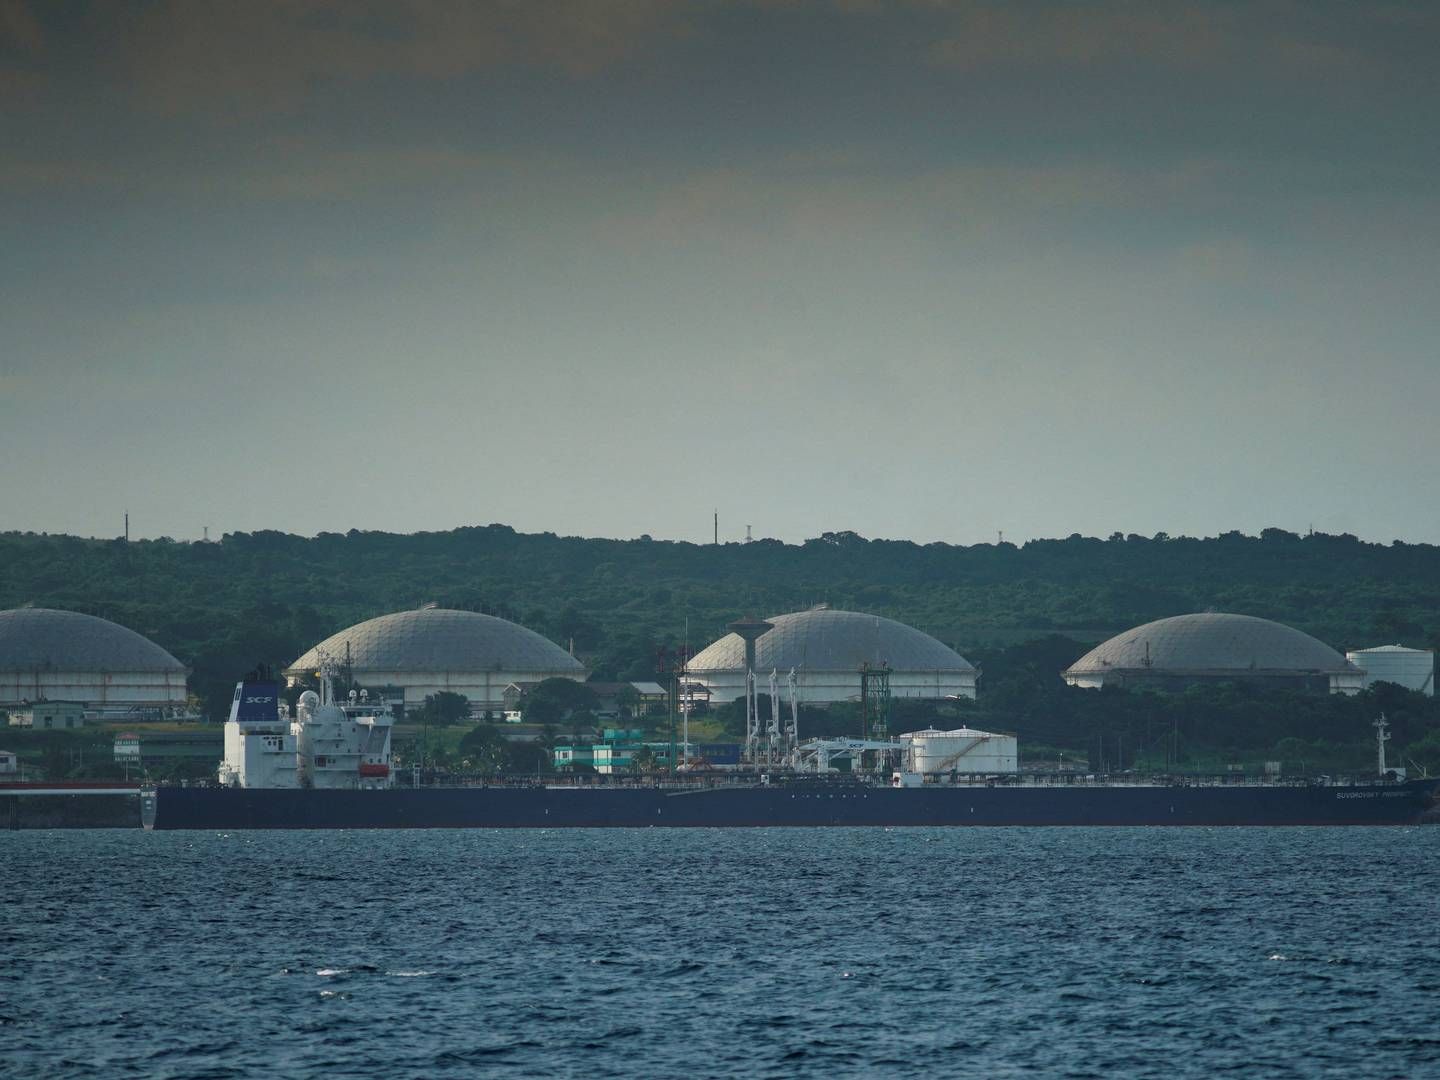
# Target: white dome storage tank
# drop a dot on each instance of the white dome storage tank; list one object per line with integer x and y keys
{"x": 1186, "y": 650}
{"x": 68, "y": 656}
{"x": 826, "y": 648}
{"x": 434, "y": 649}
{"x": 1413, "y": 669}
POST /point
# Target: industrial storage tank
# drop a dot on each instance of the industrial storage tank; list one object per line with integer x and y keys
{"x": 961, "y": 750}
{"x": 826, "y": 649}
{"x": 1185, "y": 650}
{"x": 438, "y": 649}
{"x": 1413, "y": 669}
{"x": 67, "y": 656}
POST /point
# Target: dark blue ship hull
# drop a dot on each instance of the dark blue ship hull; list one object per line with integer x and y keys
{"x": 787, "y": 804}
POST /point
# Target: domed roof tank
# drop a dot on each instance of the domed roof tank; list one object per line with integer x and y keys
{"x": 70, "y": 641}
{"x": 826, "y": 648}
{"x": 1212, "y": 645}
{"x": 823, "y": 639}
{"x": 439, "y": 649}
{"x": 67, "y": 656}
{"x": 440, "y": 639}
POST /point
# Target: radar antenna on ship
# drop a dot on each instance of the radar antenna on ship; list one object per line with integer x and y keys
{"x": 329, "y": 670}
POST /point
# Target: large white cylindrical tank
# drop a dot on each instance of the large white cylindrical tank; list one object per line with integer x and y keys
{"x": 963, "y": 750}
{"x": 1413, "y": 669}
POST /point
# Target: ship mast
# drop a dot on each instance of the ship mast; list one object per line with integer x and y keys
{"x": 1382, "y": 736}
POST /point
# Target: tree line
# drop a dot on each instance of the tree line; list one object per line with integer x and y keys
{"x": 267, "y": 596}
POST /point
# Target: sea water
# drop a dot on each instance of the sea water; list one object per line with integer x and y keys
{"x": 780, "y": 952}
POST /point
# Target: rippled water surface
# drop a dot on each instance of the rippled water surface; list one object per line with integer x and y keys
{"x": 827, "y": 952}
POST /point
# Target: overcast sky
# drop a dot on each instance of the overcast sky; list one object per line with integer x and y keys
{"x": 922, "y": 270}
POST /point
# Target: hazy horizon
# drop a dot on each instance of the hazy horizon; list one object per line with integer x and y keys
{"x": 1006, "y": 538}
{"x": 925, "y": 270}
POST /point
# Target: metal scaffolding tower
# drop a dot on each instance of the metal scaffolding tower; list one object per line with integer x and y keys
{"x": 875, "y": 701}
{"x": 750, "y": 628}
{"x": 671, "y": 663}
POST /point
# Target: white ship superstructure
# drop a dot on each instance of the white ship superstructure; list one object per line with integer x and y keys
{"x": 326, "y": 745}
{"x": 342, "y": 746}
{"x": 259, "y": 740}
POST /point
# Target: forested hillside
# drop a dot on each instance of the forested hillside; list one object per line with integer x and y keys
{"x": 266, "y": 596}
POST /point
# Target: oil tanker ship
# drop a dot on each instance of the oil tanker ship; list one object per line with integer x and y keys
{"x": 329, "y": 767}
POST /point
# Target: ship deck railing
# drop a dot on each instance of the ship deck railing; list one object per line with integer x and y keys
{"x": 789, "y": 779}
{"x": 839, "y": 779}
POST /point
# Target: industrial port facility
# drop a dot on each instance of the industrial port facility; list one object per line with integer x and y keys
{"x": 50, "y": 655}
{"x": 327, "y": 743}
{"x": 110, "y": 672}
{"x": 330, "y": 768}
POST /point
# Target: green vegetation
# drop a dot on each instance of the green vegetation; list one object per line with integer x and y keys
{"x": 485, "y": 749}
{"x": 80, "y": 754}
{"x": 443, "y": 709}
{"x": 555, "y": 700}
{"x": 88, "y": 753}
{"x": 1022, "y": 612}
